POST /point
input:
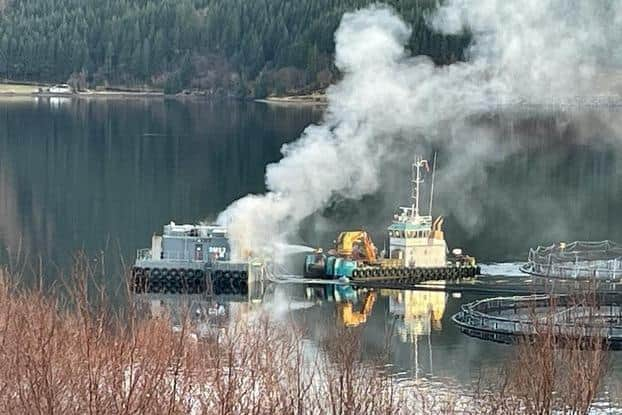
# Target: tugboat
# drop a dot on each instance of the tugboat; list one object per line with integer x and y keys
{"x": 190, "y": 259}
{"x": 417, "y": 251}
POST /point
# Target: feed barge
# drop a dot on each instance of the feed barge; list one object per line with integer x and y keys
{"x": 417, "y": 251}
{"x": 192, "y": 259}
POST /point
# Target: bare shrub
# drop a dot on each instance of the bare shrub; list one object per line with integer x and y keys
{"x": 73, "y": 352}
{"x": 560, "y": 367}
{"x": 351, "y": 386}
{"x": 75, "y": 355}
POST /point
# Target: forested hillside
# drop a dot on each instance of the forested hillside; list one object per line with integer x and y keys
{"x": 234, "y": 47}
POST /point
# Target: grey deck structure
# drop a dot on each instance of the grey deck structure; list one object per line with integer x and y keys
{"x": 194, "y": 259}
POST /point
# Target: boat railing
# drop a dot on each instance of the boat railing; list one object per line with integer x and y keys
{"x": 145, "y": 254}
{"x": 529, "y": 315}
{"x": 599, "y": 270}
{"x": 579, "y": 260}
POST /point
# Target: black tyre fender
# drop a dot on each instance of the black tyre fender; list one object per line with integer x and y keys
{"x": 226, "y": 282}
{"x": 235, "y": 282}
{"x": 243, "y": 286}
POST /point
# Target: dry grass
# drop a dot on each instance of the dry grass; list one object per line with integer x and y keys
{"x": 18, "y": 89}
{"x": 77, "y": 357}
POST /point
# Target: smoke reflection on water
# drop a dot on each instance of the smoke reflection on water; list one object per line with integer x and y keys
{"x": 412, "y": 334}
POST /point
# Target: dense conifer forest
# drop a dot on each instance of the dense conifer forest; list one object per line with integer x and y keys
{"x": 224, "y": 47}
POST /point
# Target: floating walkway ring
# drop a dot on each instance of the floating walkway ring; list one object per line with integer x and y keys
{"x": 500, "y": 319}
{"x": 579, "y": 260}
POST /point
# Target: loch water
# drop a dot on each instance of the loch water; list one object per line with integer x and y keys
{"x": 103, "y": 175}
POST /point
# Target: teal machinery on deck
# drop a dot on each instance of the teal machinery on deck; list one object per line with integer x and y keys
{"x": 321, "y": 265}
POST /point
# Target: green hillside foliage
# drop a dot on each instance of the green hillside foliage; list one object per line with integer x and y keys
{"x": 237, "y": 47}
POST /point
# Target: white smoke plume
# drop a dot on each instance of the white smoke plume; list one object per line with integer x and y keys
{"x": 534, "y": 50}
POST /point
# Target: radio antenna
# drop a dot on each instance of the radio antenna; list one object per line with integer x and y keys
{"x": 432, "y": 185}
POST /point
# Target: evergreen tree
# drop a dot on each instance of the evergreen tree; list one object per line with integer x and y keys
{"x": 146, "y": 58}
{"x": 127, "y": 42}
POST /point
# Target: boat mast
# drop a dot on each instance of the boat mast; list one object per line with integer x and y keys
{"x": 416, "y": 181}
{"x": 432, "y": 185}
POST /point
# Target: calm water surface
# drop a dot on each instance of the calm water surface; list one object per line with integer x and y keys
{"x": 104, "y": 175}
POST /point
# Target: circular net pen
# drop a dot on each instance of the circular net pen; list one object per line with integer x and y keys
{"x": 580, "y": 260}
{"x": 596, "y": 320}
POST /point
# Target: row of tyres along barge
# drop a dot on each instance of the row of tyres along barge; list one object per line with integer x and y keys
{"x": 193, "y": 259}
{"x": 408, "y": 278}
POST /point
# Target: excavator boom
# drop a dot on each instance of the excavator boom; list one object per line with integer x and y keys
{"x": 348, "y": 244}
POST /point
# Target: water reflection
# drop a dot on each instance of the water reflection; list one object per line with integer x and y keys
{"x": 97, "y": 174}
{"x": 103, "y": 175}
{"x": 56, "y": 103}
{"x": 418, "y": 312}
{"x": 209, "y": 313}
{"x": 408, "y": 331}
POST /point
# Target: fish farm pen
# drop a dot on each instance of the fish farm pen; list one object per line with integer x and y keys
{"x": 508, "y": 319}
{"x": 598, "y": 261}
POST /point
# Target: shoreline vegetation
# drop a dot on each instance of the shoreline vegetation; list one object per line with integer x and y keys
{"x": 10, "y": 89}
{"x": 224, "y": 47}
{"x": 314, "y": 98}
{"x": 69, "y": 350}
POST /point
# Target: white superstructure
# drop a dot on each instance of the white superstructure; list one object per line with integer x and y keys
{"x": 416, "y": 239}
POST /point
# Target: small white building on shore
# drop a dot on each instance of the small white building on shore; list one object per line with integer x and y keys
{"x": 61, "y": 89}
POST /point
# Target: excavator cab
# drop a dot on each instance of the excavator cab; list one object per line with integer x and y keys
{"x": 315, "y": 264}
{"x": 356, "y": 245}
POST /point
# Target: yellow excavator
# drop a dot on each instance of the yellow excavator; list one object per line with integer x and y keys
{"x": 356, "y": 245}
{"x": 353, "y": 250}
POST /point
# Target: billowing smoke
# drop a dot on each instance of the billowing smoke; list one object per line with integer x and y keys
{"x": 539, "y": 49}
{"x": 534, "y": 50}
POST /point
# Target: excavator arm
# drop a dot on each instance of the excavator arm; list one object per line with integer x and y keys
{"x": 347, "y": 240}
